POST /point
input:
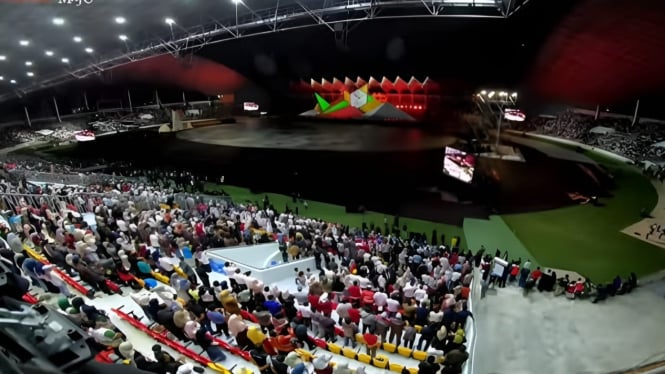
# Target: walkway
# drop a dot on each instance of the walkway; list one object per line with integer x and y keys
{"x": 541, "y": 333}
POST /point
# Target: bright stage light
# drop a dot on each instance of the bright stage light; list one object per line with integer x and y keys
{"x": 120, "y": 20}
{"x": 514, "y": 94}
{"x": 169, "y": 21}
{"x": 491, "y": 94}
{"x": 123, "y": 37}
{"x": 483, "y": 92}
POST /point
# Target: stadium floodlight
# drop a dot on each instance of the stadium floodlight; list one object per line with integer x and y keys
{"x": 77, "y": 39}
{"x": 123, "y": 37}
{"x": 503, "y": 93}
{"x": 169, "y": 21}
{"x": 12, "y": 81}
{"x": 514, "y": 94}
{"x": 24, "y": 43}
{"x": 89, "y": 50}
{"x": 28, "y": 63}
{"x": 120, "y": 20}
{"x": 49, "y": 53}
{"x": 483, "y": 92}
{"x": 491, "y": 94}
{"x": 30, "y": 74}
{"x": 3, "y": 57}
{"x": 2, "y": 78}
{"x": 58, "y": 21}
{"x": 65, "y": 60}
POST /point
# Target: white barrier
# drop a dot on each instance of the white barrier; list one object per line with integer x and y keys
{"x": 470, "y": 326}
{"x": 573, "y": 143}
{"x": 263, "y": 260}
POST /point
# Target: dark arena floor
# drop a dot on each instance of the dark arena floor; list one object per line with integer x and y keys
{"x": 384, "y": 168}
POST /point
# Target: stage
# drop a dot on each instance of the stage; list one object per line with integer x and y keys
{"x": 327, "y": 136}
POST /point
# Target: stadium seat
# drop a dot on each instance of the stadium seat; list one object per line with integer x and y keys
{"x": 380, "y": 361}
{"x": 397, "y": 368}
{"x": 364, "y": 358}
{"x": 349, "y": 353}
{"x": 389, "y": 347}
{"x": 334, "y": 348}
{"x": 419, "y": 355}
{"x": 404, "y": 351}
{"x": 360, "y": 339}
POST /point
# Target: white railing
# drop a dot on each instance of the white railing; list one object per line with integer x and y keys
{"x": 470, "y": 326}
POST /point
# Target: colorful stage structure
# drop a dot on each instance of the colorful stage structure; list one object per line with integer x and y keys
{"x": 398, "y": 99}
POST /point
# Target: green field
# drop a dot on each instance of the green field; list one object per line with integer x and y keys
{"x": 587, "y": 239}
{"x": 583, "y": 238}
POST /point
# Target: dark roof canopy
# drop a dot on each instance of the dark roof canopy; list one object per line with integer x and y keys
{"x": 604, "y": 52}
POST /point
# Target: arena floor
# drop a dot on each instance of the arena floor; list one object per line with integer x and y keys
{"x": 308, "y": 136}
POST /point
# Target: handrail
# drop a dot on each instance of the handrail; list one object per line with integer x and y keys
{"x": 470, "y": 326}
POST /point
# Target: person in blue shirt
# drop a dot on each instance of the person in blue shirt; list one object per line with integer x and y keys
{"x": 272, "y": 305}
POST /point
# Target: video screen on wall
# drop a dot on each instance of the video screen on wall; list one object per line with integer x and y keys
{"x": 459, "y": 164}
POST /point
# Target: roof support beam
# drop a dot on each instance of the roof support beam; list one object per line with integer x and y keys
{"x": 319, "y": 20}
{"x": 278, "y": 18}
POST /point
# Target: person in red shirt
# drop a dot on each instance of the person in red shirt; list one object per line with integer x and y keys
{"x": 354, "y": 291}
{"x": 536, "y": 274}
{"x": 325, "y": 306}
{"x": 368, "y": 296}
{"x": 354, "y": 315}
{"x": 372, "y": 342}
{"x": 313, "y": 301}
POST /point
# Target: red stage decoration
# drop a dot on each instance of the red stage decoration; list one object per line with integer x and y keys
{"x": 397, "y": 100}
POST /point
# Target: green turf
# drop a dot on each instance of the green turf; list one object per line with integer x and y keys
{"x": 495, "y": 234}
{"x": 587, "y": 239}
{"x": 336, "y": 213}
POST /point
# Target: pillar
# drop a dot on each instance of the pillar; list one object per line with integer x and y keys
{"x": 27, "y": 116}
{"x": 637, "y": 110}
{"x": 57, "y": 111}
{"x": 597, "y": 114}
{"x": 129, "y": 97}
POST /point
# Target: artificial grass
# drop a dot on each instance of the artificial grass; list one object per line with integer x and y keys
{"x": 338, "y": 214}
{"x": 495, "y": 234}
{"x": 588, "y": 239}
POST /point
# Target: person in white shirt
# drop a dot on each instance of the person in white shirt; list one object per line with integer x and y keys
{"x": 409, "y": 290}
{"x": 420, "y": 294}
{"x": 230, "y": 268}
{"x": 380, "y": 299}
{"x": 392, "y": 306}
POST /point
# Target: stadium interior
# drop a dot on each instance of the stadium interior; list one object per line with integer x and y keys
{"x": 332, "y": 186}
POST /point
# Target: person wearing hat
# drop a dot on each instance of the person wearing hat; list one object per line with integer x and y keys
{"x": 165, "y": 361}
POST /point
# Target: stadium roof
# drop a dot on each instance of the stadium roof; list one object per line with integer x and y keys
{"x": 49, "y": 42}
{"x": 604, "y": 52}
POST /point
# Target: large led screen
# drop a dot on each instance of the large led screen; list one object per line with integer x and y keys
{"x": 459, "y": 164}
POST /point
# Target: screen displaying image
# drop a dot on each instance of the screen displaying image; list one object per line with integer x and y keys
{"x": 459, "y": 164}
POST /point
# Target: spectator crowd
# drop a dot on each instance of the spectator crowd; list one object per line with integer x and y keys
{"x": 615, "y": 135}
{"x": 386, "y": 292}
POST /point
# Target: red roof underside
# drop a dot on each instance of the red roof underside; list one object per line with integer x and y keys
{"x": 604, "y": 52}
{"x": 191, "y": 73}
